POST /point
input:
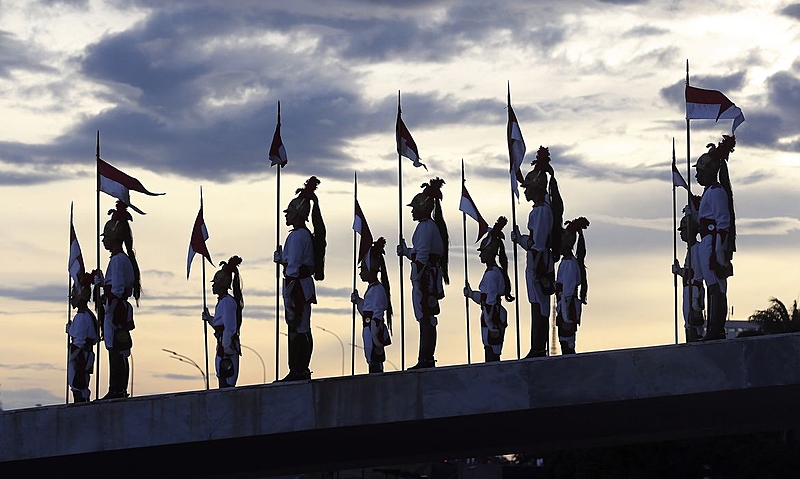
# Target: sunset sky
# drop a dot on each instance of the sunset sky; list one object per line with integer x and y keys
{"x": 184, "y": 95}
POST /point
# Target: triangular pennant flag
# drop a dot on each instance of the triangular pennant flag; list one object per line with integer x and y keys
{"x": 516, "y": 148}
{"x": 75, "y": 265}
{"x": 405, "y": 143}
{"x": 197, "y": 242}
{"x": 468, "y": 207}
{"x": 361, "y": 227}
{"x": 118, "y": 184}
{"x": 277, "y": 152}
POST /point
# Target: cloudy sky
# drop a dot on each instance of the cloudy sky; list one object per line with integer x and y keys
{"x": 185, "y": 95}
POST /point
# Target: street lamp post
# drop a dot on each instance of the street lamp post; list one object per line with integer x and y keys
{"x": 187, "y": 360}
{"x": 340, "y": 343}
{"x": 263, "y": 366}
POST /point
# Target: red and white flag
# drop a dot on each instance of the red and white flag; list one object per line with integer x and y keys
{"x": 277, "y": 152}
{"x": 677, "y": 178}
{"x": 118, "y": 184}
{"x": 361, "y": 227}
{"x": 405, "y": 143}
{"x": 75, "y": 265}
{"x": 468, "y": 207}
{"x": 711, "y": 105}
{"x": 197, "y": 243}
{"x": 516, "y": 148}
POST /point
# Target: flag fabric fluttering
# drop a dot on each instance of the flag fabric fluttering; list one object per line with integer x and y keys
{"x": 468, "y": 207}
{"x": 704, "y": 104}
{"x": 75, "y": 265}
{"x": 405, "y": 143}
{"x": 516, "y": 149}
{"x": 677, "y": 178}
{"x": 197, "y": 242}
{"x": 118, "y": 184}
{"x": 277, "y": 152}
{"x": 361, "y": 227}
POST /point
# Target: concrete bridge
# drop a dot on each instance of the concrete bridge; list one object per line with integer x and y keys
{"x": 537, "y": 406}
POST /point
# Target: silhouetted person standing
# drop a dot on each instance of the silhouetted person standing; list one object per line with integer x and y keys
{"x": 227, "y": 321}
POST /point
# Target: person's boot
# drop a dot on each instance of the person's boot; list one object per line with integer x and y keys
{"x": 691, "y": 334}
{"x": 539, "y": 329}
{"x": 427, "y": 345}
{"x": 375, "y": 368}
{"x": 566, "y": 348}
{"x": 77, "y": 397}
{"x": 717, "y": 308}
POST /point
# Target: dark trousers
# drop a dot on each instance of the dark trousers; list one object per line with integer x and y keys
{"x": 301, "y": 345}
{"x": 489, "y": 355}
{"x": 539, "y": 329}
{"x": 717, "y": 311}
{"x": 118, "y": 371}
{"x": 427, "y": 341}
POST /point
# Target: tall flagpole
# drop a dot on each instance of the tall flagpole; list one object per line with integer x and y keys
{"x": 688, "y": 190}
{"x": 97, "y": 301}
{"x": 205, "y": 305}
{"x": 400, "y": 235}
{"x": 675, "y": 244}
{"x": 69, "y": 306}
{"x": 514, "y": 228}
{"x": 355, "y": 261}
{"x": 466, "y": 271}
{"x": 278, "y": 266}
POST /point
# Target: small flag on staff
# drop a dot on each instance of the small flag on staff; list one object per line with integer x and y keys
{"x": 711, "y": 105}
{"x": 75, "y": 265}
{"x": 361, "y": 227}
{"x": 405, "y": 143}
{"x": 277, "y": 152}
{"x": 677, "y": 178}
{"x": 197, "y": 243}
{"x": 118, "y": 184}
{"x": 516, "y": 148}
{"x": 468, "y": 206}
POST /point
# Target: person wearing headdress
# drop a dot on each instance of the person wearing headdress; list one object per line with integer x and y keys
{"x": 303, "y": 260}
{"x": 717, "y": 232}
{"x": 541, "y": 246}
{"x": 495, "y": 284}
{"x": 429, "y": 258}
{"x": 82, "y": 331}
{"x": 691, "y": 275}
{"x": 227, "y": 321}
{"x": 375, "y": 307}
{"x": 121, "y": 281}
{"x": 571, "y": 284}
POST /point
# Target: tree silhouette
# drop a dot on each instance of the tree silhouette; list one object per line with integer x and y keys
{"x": 777, "y": 319}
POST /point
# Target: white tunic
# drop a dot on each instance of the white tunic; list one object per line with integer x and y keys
{"x": 569, "y": 306}
{"x": 375, "y": 301}
{"x": 299, "y": 253}
{"x": 426, "y": 241}
{"x": 539, "y": 257}
{"x": 713, "y": 206}
{"x": 119, "y": 275}
{"x": 492, "y": 285}
{"x": 694, "y": 290}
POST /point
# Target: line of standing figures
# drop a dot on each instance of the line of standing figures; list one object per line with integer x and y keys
{"x": 303, "y": 259}
{"x": 548, "y": 240}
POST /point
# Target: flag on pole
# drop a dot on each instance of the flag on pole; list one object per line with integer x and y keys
{"x": 516, "y": 148}
{"x": 197, "y": 243}
{"x": 468, "y": 207}
{"x": 677, "y": 178}
{"x": 405, "y": 143}
{"x": 75, "y": 265}
{"x": 277, "y": 152}
{"x": 711, "y": 105}
{"x": 361, "y": 227}
{"x": 118, "y": 184}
